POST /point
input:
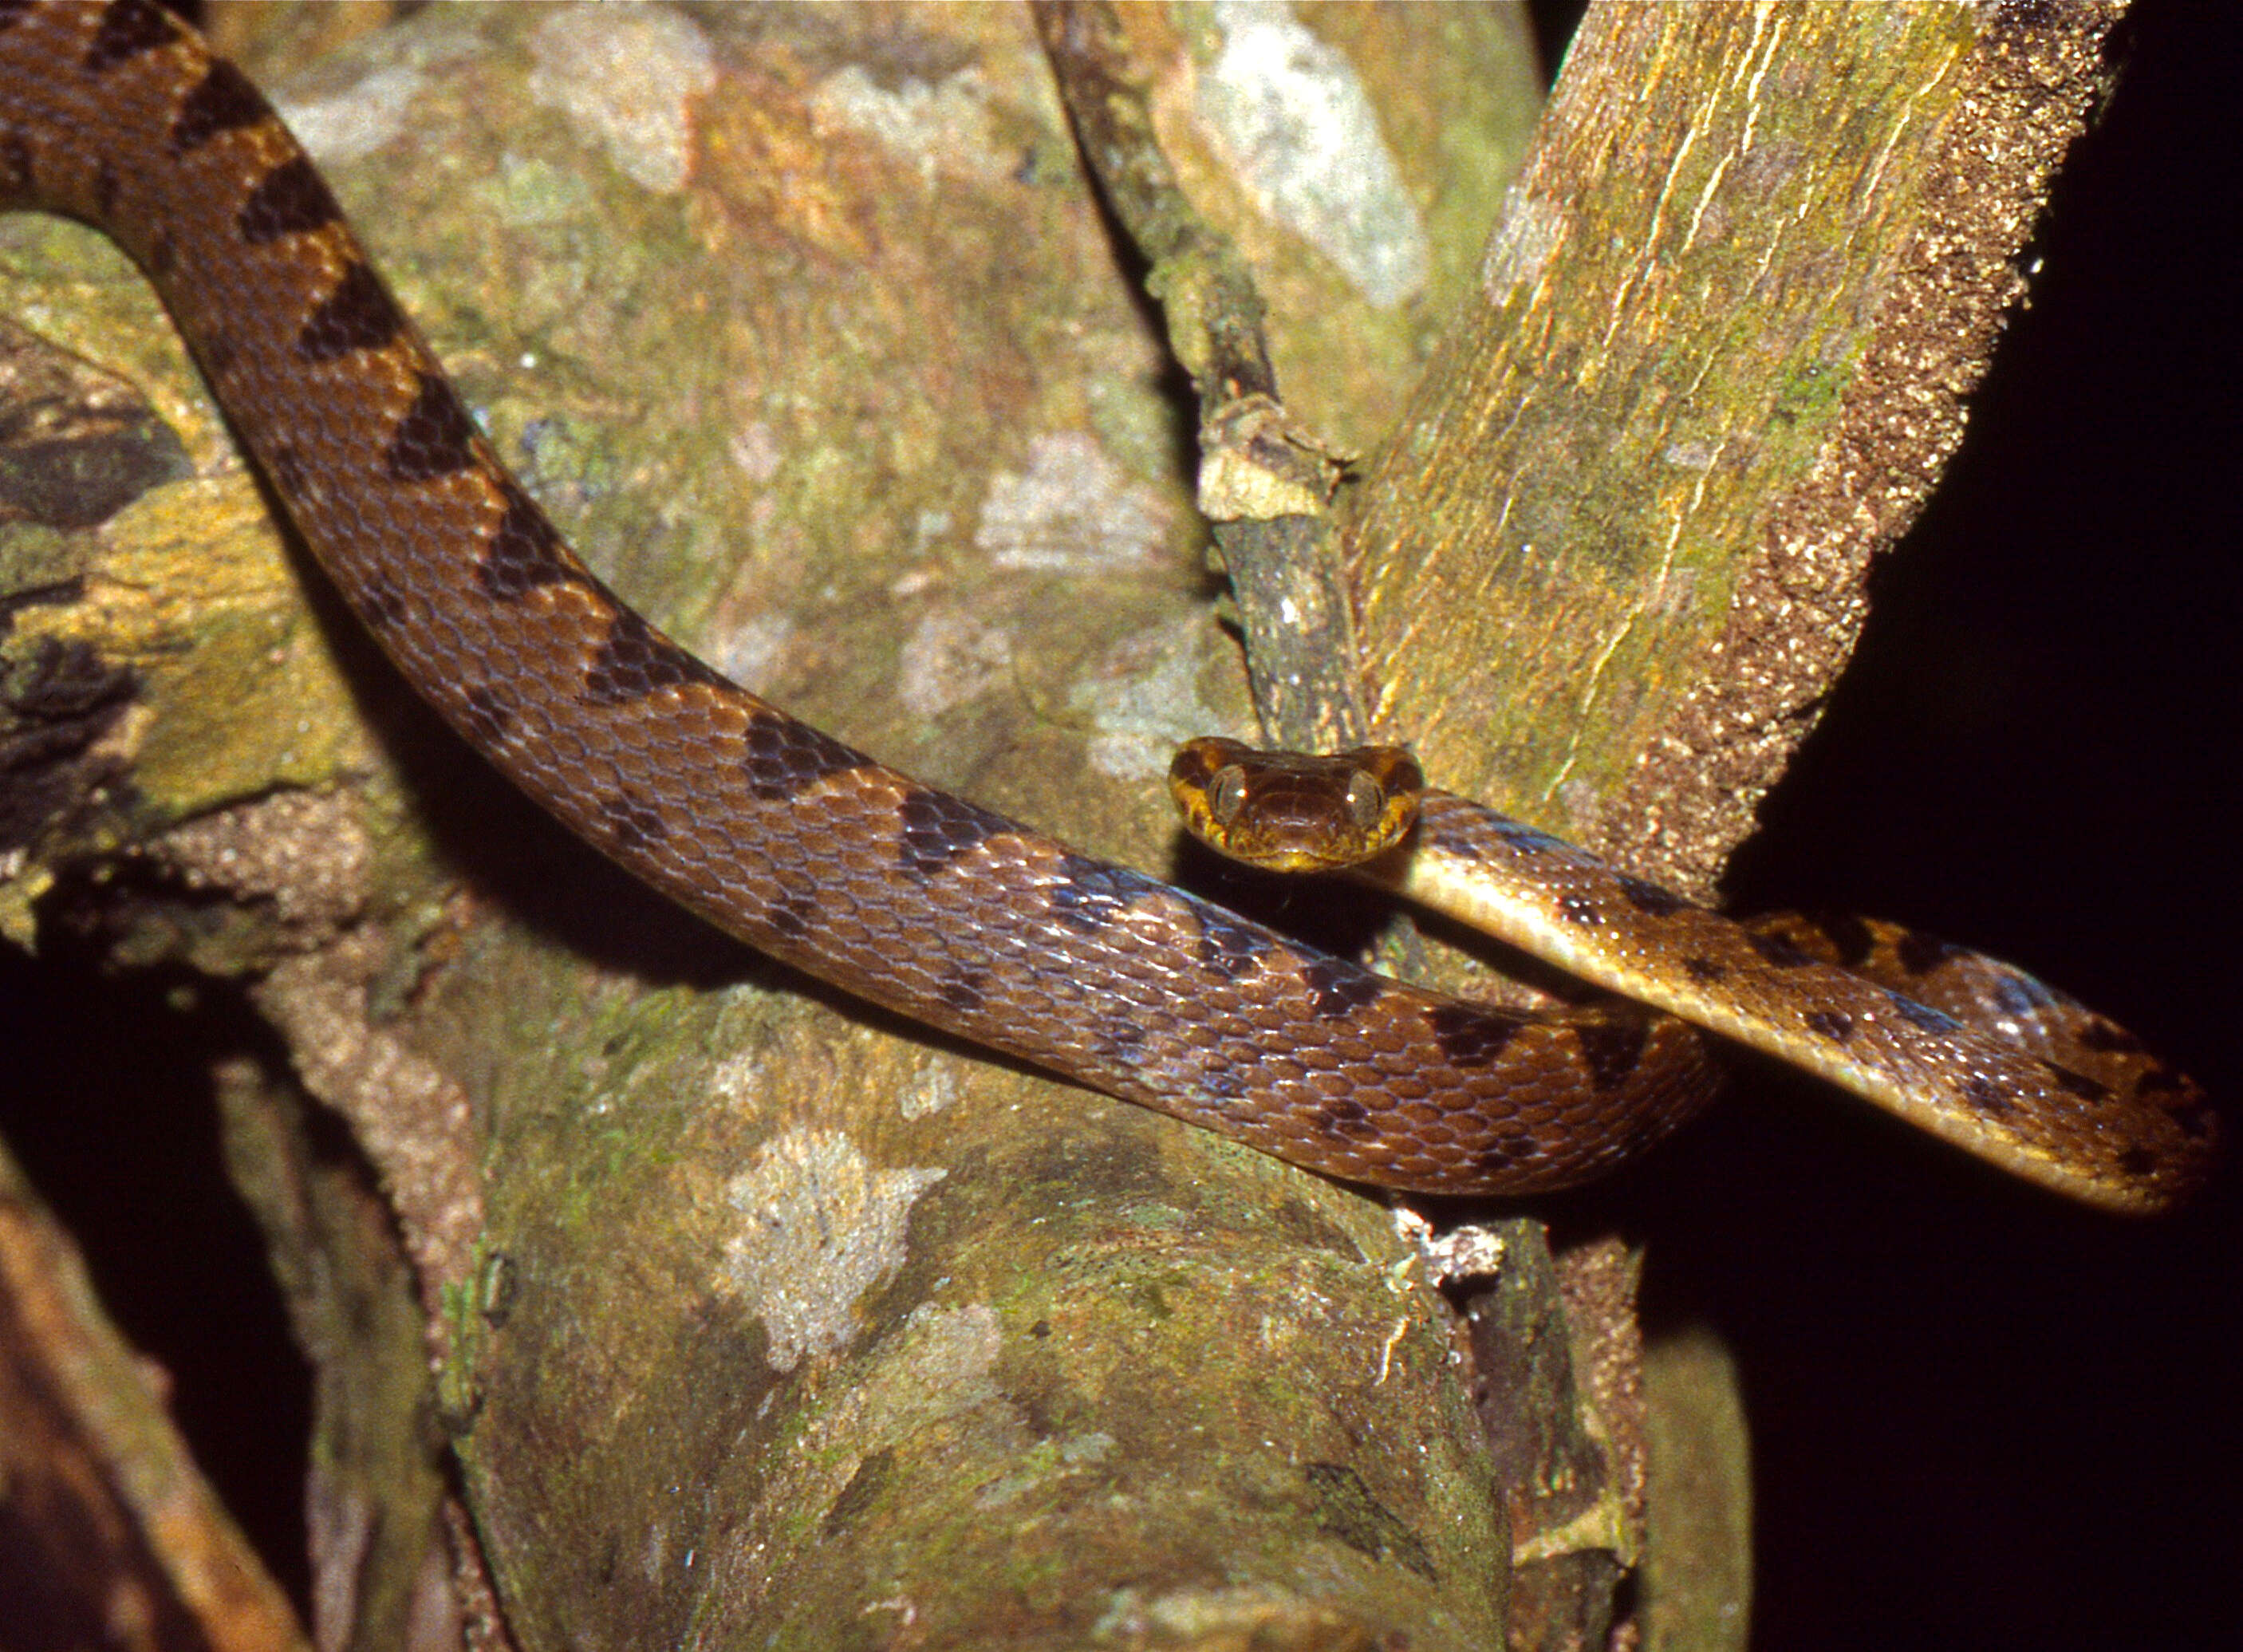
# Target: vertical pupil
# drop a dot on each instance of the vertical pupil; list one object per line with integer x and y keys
{"x": 1364, "y": 800}
{"x": 1228, "y": 795}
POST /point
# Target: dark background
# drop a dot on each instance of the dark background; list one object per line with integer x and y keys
{"x": 1981, "y": 1416}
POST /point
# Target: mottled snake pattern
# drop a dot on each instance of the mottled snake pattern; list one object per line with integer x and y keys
{"x": 815, "y": 854}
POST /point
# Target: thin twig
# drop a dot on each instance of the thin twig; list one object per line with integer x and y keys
{"x": 1265, "y": 485}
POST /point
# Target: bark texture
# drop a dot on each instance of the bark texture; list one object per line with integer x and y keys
{"x": 1718, "y": 355}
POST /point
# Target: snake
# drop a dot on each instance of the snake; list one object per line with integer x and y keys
{"x": 1841, "y": 996}
{"x": 118, "y": 114}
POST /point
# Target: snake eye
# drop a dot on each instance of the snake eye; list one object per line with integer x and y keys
{"x": 1366, "y": 800}
{"x": 1226, "y": 793}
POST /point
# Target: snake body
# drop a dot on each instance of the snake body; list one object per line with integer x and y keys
{"x": 1972, "y": 1049}
{"x": 814, "y": 853}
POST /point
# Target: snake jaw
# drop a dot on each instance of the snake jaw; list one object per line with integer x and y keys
{"x": 1291, "y": 812}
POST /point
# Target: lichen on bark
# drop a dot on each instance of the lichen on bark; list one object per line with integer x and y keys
{"x": 1719, "y": 352}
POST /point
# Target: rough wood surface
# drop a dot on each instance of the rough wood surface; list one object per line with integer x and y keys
{"x": 113, "y": 1535}
{"x": 1718, "y": 354}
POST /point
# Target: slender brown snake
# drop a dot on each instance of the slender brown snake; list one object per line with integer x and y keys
{"x": 812, "y": 852}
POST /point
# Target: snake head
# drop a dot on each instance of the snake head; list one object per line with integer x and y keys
{"x": 1293, "y": 811}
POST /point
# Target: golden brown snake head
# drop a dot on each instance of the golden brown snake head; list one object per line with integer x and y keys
{"x": 1290, "y": 811}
